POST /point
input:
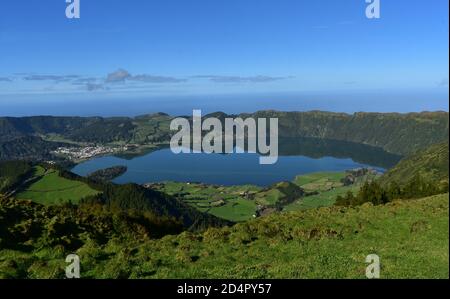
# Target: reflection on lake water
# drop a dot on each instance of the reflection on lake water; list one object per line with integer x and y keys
{"x": 297, "y": 156}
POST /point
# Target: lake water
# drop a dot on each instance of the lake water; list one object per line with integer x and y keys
{"x": 237, "y": 169}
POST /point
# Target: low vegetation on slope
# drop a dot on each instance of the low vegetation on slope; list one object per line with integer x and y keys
{"x": 320, "y": 243}
{"x": 431, "y": 163}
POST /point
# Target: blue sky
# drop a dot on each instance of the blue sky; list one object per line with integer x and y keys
{"x": 145, "y": 48}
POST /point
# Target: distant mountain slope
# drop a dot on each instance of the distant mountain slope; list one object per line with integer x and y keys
{"x": 430, "y": 163}
{"x": 86, "y": 129}
{"x": 27, "y": 148}
{"x": 394, "y": 132}
{"x": 13, "y": 173}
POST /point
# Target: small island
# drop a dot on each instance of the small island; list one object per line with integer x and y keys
{"x": 107, "y": 174}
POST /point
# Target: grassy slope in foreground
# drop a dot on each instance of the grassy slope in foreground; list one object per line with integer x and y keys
{"x": 411, "y": 238}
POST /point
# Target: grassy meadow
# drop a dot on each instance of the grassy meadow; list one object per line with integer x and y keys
{"x": 409, "y": 236}
{"x": 50, "y": 188}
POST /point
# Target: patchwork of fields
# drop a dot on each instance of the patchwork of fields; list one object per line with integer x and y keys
{"x": 241, "y": 203}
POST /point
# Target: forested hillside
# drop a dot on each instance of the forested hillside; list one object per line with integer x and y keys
{"x": 396, "y": 133}
{"x": 13, "y": 173}
{"x": 28, "y": 148}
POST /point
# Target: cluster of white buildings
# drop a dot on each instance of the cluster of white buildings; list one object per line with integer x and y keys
{"x": 81, "y": 153}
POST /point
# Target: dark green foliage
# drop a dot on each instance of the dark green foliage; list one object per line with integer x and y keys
{"x": 107, "y": 174}
{"x": 376, "y": 194}
{"x": 136, "y": 197}
{"x": 45, "y": 124}
{"x": 24, "y": 224}
{"x": 83, "y": 129}
{"x": 394, "y": 132}
{"x": 419, "y": 187}
{"x": 27, "y": 148}
{"x": 104, "y": 131}
{"x": 12, "y": 173}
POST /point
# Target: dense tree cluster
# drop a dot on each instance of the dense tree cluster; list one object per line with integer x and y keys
{"x": 107, "y": 174}
{"x": 12, "y": 173}
{"x": 376, "y": 194}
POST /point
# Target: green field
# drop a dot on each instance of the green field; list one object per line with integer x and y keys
{"x": 328, "y": 185}
{"x": 227, "y": 202}
{"x": 240, "y": 203}
{"x": 235, "y": 210}
{"x": 51, "y": 189}
{"x": 269, "y": 197}
{"x": 322, "y": 181}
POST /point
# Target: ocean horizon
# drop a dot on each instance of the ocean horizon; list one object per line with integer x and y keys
{"x": 346, "y": 102}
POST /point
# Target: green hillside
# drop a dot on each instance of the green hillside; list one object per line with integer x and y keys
{"x": 27, "y": 148}
{"x": 49, "y": 185}
{"x": 319, "y": 243}
{"x": 394, "y": 132}
{"x": 13, "y": 173}
{"x": 431, "y": 163}
{"x": 50, "y": 188}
